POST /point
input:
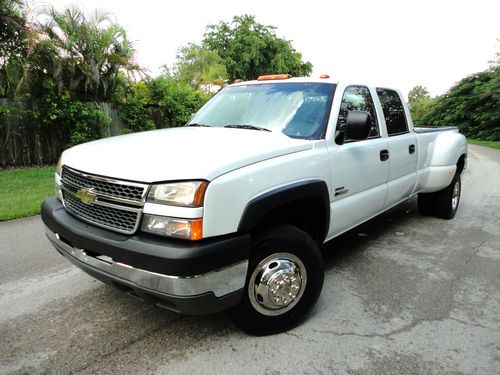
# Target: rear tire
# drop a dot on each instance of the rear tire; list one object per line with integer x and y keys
{"x": 284, "y": 281}
{"x": 447, "y": 200}
{"x": 444, "y": 203}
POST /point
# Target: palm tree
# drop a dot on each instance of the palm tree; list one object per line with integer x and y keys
{"x": 13, "y": 45}
{"x": 91, "y": 52}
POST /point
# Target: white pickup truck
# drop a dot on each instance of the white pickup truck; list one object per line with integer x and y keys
{"x": 230, "y": 211}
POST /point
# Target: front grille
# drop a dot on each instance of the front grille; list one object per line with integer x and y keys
{"x": 100, "y": 185}
{"x": 113, "y": 218}
{"x": 117, "y": 205}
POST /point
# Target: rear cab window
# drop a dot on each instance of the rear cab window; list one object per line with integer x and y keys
{"x": 394, "y": 113}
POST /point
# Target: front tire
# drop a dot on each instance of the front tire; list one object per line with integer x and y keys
{"x": 284, "y": 281}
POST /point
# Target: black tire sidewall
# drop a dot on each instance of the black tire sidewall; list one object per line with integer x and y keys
{"x": 444, "y": 206}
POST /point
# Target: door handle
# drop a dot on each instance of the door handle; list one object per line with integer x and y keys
{"x": 411, "y": 149}
{"x": 384, "y": 155}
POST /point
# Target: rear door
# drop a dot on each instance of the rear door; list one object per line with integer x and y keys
{"x": 402, "y": 147}
{"x": 359, "y": 171}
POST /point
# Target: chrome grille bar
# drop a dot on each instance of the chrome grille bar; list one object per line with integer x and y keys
{"x": 117, "y": 204}
{"x": 118, "y": 190}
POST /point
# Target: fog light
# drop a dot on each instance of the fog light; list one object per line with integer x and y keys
{"x": 191, "y": 229}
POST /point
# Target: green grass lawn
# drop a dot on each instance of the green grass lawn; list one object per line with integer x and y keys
{"x": 493, "y": 144}
{"x": 22, "y": 191}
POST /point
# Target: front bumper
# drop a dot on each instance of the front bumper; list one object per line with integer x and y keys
{"x": 188, "y": 277}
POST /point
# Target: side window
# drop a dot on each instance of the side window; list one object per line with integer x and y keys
{"x": 394, "y": 112}
{"x": 357, "y": 98}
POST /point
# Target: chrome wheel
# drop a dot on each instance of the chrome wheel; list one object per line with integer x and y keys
{"x": 277, "y": 284}
{"x": 455, "y": 196}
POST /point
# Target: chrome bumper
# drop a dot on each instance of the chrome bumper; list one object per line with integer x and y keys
{"x": 220, "y": 282}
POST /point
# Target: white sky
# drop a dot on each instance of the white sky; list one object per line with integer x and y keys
{"x": 399, "y": 43}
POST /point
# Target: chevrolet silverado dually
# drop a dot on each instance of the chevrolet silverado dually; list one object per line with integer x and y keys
{"x": 229, "y": 212}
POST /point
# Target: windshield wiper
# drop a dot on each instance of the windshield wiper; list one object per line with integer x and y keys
{"x": 203, "y": 125}
{"x": 252, "y": 127}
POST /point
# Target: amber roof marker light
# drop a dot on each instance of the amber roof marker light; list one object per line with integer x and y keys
{"x": 238, "y": 80}
{"x": 273, "y": 77}
{"x": 324, "y": 76}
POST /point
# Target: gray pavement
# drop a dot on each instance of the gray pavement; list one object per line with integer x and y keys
{"x": 403, "y": 294}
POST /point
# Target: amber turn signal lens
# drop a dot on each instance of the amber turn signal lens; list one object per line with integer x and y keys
{"x": 200, "y": 194}
{"x": 197, "y": 229}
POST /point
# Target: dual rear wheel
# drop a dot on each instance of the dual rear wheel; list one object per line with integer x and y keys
{"x": 443, "y": 203}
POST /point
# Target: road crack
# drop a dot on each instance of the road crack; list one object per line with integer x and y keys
{"x": 140, "y": 338}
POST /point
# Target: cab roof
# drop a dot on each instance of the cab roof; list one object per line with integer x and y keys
{"x": 332, "y": 80}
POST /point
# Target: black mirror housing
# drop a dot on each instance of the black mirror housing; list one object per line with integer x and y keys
{"x": 358, "y": 125}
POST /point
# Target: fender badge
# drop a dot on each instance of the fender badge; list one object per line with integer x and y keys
{"x": 86, "y": 195}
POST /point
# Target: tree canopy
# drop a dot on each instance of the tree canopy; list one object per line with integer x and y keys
{"x": 473, "y": 104}
{"x": 249, "y": 49}
{"x": 197, "y": 65}
{"x": 417, "y": 93}
{"x": 14, "y": 45}
{"x": 88, "y": 53}
{"x": 68, "y": 52}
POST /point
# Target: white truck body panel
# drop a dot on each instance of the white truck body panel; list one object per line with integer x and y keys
{"x": 223, "y": 211}
{"x": 179, "y": 153}
{"x": 241, "y": 165}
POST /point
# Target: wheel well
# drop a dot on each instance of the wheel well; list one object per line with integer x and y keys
{"x": 461, "y": 163}
{"x": 307, "y": 214}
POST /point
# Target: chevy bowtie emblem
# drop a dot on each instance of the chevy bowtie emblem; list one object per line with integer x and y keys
{"x": 86, "y": 195}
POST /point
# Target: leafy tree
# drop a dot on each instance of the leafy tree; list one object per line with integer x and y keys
{"x": 419, "y": 102}
{"x": 174, "y": 101}
{"x": 417, "y": 93}
{"x": 249, "y": 49}
{"x": 85, "y": 55}
{"x": 473, "y": 104}
{"x": 68, "y": 122}
{"x": 14, "y": 46}
{"x": 420, "y": 108}
{"x": 137, "y": 111}
{"x": 13, "y": 30}
{"x": 197, "y": 65}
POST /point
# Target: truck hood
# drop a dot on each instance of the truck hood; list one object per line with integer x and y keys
{"x": 179, "y": 153}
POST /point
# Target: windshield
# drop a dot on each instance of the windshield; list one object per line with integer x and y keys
{"x": 299, "y": 110}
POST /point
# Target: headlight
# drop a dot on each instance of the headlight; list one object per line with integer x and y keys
{"x": 191, "y": 229}
{"x": 186, "y": 193}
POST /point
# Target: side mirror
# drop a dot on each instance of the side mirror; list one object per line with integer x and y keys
{"x": 358, "y": 125}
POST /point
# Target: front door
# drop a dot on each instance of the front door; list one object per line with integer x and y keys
{"x": 360, "y": 170}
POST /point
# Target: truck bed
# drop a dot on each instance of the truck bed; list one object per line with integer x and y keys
{"x": 431, "y": 129}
